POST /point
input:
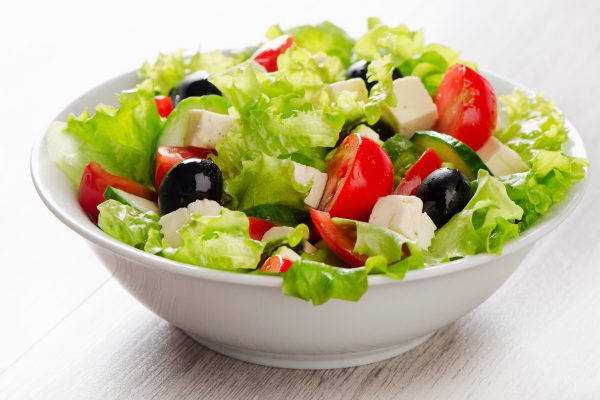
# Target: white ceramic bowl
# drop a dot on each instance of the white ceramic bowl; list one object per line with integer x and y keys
{"x": 248, "y": 318}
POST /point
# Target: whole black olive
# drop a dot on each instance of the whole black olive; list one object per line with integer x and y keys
{"x": 193, "y": 85}
{"x": 190, "y": 180}
{"x": 359, "y": 70}
{"x": 444, "y": 192}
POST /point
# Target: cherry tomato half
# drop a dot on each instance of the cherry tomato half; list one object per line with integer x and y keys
{"x": 268, "y": 53}
{"x": 164, "y": 105}
{"x": 466, "y": 105}
{"x": 258, "y": 227}
{"x": 94, "y": 181}
{"x": 359, "y": 173}
{"x": 416, "y": 174}
{"x": 168, "y": 157}
{"x": 276, "y": 264}
{"x": 340, "y": 241}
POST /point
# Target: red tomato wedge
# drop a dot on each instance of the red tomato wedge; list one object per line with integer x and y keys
{"x": 359, "y": 173}
{"x": 258, "y": 227}
{"x": 425, "y": 165}
{"x": 340, "y": 241}
{"x": 94, "y": 182}
{"x": 268, "y": 53}
{"x": 466, "y": 105}
{"x": 164, "y": 105}
{"x": 168, "y": 157}
{"x": 276, "y": 264}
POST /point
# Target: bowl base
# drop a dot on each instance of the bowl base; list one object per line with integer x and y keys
{"x": 313, "y": 361}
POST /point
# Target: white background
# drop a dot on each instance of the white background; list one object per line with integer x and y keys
{"x": 52, "y": 51}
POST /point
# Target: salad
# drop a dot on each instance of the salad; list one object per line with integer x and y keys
{"x": 318, "y": 157}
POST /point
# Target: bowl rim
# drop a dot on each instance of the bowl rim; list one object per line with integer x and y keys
{"x": 96, "y": 237}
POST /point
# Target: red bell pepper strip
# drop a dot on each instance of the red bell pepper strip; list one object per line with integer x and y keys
{"x": 268, "y": 53}
{"x": 425, "y": 165}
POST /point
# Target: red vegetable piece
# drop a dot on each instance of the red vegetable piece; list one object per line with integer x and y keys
{"x": 416, "y": 174}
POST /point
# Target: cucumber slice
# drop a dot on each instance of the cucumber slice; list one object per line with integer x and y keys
{"x": 176, "y": 125}
{"x": 129, "y": 199}
{"x": 451, "y": 150}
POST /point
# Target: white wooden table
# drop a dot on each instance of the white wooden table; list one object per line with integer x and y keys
{"x": 68, "y": 331}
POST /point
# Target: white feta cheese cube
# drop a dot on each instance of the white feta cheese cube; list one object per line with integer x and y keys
{"x": 205, "y": 207}
{"x": 425, "y": 231}
{"x": 277, "y": 232}
{"x": 365, "y": 131}
{"x": 304, "y": 175}
{"x": 206, "y": 128}
{"x": 501, "y": 159}
{"x": 170, "y": 223}
{"x": 414, "y": 111}
{"x": 404, "y": 214}
{"x": 355, "y": 85}
{"x": 286, "y": 252}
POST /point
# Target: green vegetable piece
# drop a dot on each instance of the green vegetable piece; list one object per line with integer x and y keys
{"x": 547, "y": 183}
{"x": 318, "y": 282}
{"x": 403, "y": 154}
{"x": 485, "y": 224}
{"x": 324, "y": 37}
{"x": 532, "y": 123}
{"x": 266, "y": 181}
{"x": 450, "y": 150}
{"x": 219, "y": 242}
{"x": 122, "y": 140}
{"x": 169, "y": 69}
{"x": 126, "y": 223}
{"x": 139, "y": 203}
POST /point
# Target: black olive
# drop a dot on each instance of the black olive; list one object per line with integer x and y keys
{"x": 193, "y": 85}
{"x": 190, "y": 180}
{"x": 359, "y": 70}
{"x": 384, "y": 130}
{"x": 444, "y": 192}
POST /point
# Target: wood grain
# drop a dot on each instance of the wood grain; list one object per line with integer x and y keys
{"x": 70, "y": 332}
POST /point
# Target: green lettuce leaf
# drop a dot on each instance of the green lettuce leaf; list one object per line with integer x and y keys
{"x": 315, "y": 157}
{"x": 318, "y": 282}
{"x": 266, "y": 180}
{"x": 408, "y": 52}
{"x": 292, "y": 240}
{"x": 431, "y": 64}
{"x": 324, "y": 37}
{"x": 126, "y": 223}
{"x": 532, "y": 123}
{"x": 306, "y": 71}
{"x": 396, "y": 270}
{"x": 485, "y": 224}
{"x": 64, "y": 151}
{"x": 277, "y": 117}
{"x": 380, "y": 70}
{"x": 122, "y": 140}
{"x": 169, "y": 69}
{"x": 403, "y": 154}
{"x": 219, "y": 242}
{"x": 537, "y": 131}
{"x": 387, "y": 249}
{"x": 551, "y": 176}
{"x": 380, "y": 40}
{"x": 166, "y": 72}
